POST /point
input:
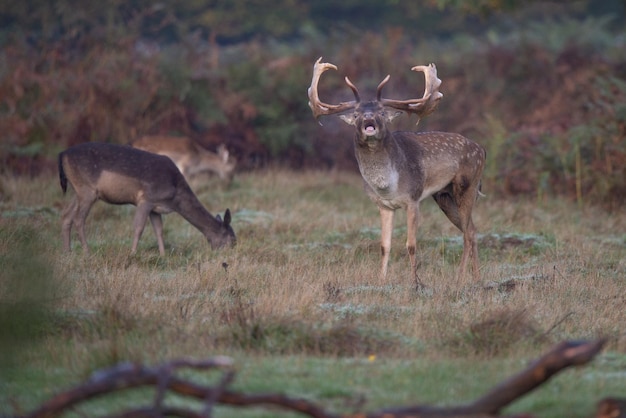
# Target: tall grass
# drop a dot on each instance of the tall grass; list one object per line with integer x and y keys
{"x": 300, "y": 290}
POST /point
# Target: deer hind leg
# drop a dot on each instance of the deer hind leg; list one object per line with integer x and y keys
{"x": 458, "y": 209}
{"x": 386, "y": 219}
{"x": 470, "y": 250}
{"x": 157, "y": 225}
{"x": 84, "y": 202}
{"x": 466, "y": 196}
{"x": 67, "y": 220}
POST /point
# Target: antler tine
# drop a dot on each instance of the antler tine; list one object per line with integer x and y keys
{"x": 379, "y": 89}
{"x": 320, "y": 108}
{"x": 354, "y": 89}
{"x": 429, "y": 101}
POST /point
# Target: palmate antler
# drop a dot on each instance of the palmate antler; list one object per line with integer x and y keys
{"x": 429, "y": 101}
{"x": 320, "y": 108}
{"x": 421, "y": 107}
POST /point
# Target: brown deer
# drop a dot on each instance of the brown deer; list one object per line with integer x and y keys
{"x": 190, "y": 157}
{"x": 400, "y": 169}
{"x": 119, "y": 174}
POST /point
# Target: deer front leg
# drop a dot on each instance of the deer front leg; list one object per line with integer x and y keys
{"x": 386, "y": 219}
{"x": 141, "y": 216}
{"x": 157, "y": 225}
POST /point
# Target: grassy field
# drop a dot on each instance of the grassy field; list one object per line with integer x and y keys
{"x": 298, "y": 303}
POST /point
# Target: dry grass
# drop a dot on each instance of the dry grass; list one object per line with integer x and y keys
{"x": 303, "y": 280}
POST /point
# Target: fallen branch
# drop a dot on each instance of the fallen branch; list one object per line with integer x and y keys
{"x": 126, "y": 375}
{"x": 611, "y": 408}
{"x": 563, "y": 355}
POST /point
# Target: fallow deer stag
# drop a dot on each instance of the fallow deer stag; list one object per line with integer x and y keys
{"x": 119, "y": 175}
{"x": 190, "y": 158}
{"x": 400, "y": 169}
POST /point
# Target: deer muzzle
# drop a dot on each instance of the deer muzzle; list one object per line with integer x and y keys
{"x": 369, "y": 125}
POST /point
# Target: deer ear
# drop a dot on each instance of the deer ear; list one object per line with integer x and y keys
{"x": 222, "y": 152}
{"x": 349, "y": 119}
{"x": 390, "y": 115}
{"x": 227, "y": 217}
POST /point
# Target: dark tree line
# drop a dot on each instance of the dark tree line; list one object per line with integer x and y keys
{"x": 242, "y": 20}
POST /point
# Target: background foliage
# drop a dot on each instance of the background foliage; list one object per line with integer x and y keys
{"x": 541, "y": 84}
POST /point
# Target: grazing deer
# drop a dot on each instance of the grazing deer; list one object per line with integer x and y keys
{"x": 400, "y": 169}
{"x": 120, "y": 175}
{"x": 190, "y": 157}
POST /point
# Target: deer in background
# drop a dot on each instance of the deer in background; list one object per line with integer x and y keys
{"x": 190, "y": 157}
{"x": 400, "y": 169}
{"x": 119, "y": 174}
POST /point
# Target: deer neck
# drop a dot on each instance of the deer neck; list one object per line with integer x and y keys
{"x": 190, "y": 208}
{"x": 376, "y": 163}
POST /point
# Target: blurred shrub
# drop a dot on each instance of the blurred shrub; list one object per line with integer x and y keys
{"x": 493, "y": 335}
{"x": 546, "y": 102}
{"x": 26, "y": 292}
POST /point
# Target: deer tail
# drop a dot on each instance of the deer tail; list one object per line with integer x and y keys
{"x": 62, "y": 177}
{"x": 480, "y": 191}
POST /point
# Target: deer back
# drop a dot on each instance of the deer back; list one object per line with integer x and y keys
{"x": 181, "y": 150}
{"x": 431, "y": 160}
{"x": 220, "y": 163}
{"x": 190, "y": 157}
{"x": 120, "y": 174}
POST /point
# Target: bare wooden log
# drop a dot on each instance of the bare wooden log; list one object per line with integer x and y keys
{"x": 563, "y": 355}
{"x": 125, "y": 376}
{"x": 161, "y": 412}
{"x": 611, "y": 408}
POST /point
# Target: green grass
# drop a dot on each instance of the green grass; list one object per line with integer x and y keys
{"x": 299, "y": 305}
